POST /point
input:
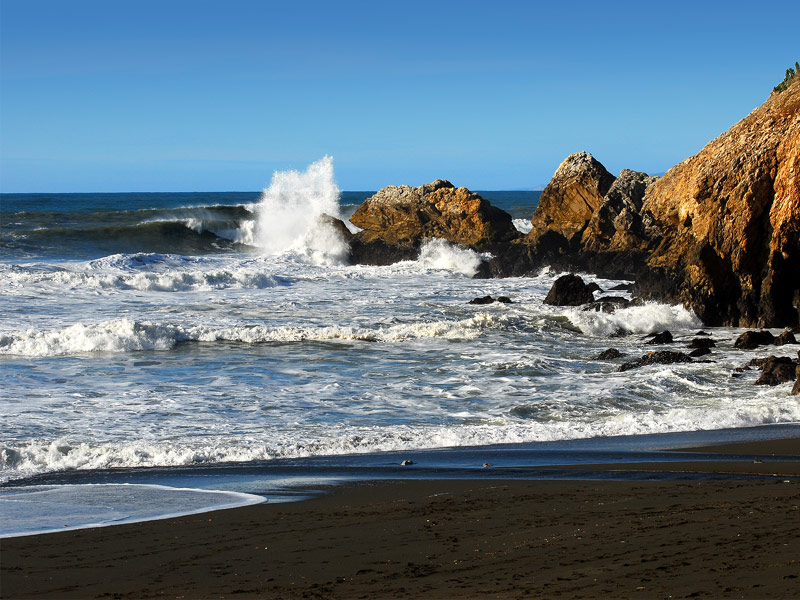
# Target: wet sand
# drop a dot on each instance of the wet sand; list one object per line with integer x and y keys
{"x": 449, "y": 539}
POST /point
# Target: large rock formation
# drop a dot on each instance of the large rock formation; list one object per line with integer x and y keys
{"x": 729, "y": 219}
{"x": 570, "y": 199}
{"x": 400, "y": 218}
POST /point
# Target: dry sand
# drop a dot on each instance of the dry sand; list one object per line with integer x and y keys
{"x": 446, "y": 539}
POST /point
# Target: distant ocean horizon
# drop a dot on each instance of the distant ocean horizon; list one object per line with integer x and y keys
{"x": 189, "y": 330}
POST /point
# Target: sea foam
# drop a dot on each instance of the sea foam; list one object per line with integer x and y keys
{"x": 290, "y": 211}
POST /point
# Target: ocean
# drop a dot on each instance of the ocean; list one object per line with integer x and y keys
{"x": 198, "y": 340}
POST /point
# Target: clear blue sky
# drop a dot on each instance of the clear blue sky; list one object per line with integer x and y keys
{"x": 173, "y": 95}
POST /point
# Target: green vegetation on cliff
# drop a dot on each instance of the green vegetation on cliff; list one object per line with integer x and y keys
{"x": 790, "y": 74}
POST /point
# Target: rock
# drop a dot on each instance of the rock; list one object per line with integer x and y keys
{"x": 482, "y": 300}
{"x": 609, "y": 354}
{"x": 593, "y": 287}
{"x": 570, "y": 199}
{"x": 729, "y": 221}
{"x": 404, "y": 216}
{"x": 665, "y": 337}
{"x": 657, "y": 357}
{"x": 775, "y": 370}
{"x": 700, "y": 352}
{"x": 702, "y": 343}
{"x": 622, "y": 287}
{"x": 608, "y": 304}
{"x": 702, "y": 333}
{"x": 787, "y": 337}
{"x": 753, "y": 339}
{"x": 504, "y": 300}
{"x": 568, "y": 290}
{"x": 618, "y": 222}
{"x": 796, "y": 387}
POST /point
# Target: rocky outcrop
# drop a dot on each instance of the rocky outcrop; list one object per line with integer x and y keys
{"x": 569, "y": 200}
{"x": 402, "y": 217}
{"x": 657, "y": 357}
{"x": 619, "y": 223}
{"x": 729, "y": 219}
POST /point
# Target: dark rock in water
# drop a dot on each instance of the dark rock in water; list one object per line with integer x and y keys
{"x": 702, "y": 333}
{"x": 622, "y": 287}
{"x": 608, "y": 304}
{"x": 657, "y": 357}
{"x": 504, "y": 300}
{"x": 593, "y": 287}
{"x": 609, "y": 354}
{"x": 665, "y": 337}
{"x": 787, "y": 337}
{"x": 753, "y": 339}
{"x": 796, "y": 387}
{"x": 775, "y": 369}
{"x": 569, "y": 290}
{"x": 702, "y": 343}
{"x": 482, "y": 300}
{"x": 699, "y": 352}
{"x": 367, "y": 248}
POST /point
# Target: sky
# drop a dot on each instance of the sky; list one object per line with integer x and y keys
{"x": 174, "y": 95}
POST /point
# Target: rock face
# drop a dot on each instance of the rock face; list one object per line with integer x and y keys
{"x": 729, "y": 219}
{"x": 570, "y": 199}
{"x": 405, "y": 216}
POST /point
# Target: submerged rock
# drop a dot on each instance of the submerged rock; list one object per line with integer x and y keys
{"x": 702, "y": 343}
{"x": 569, "y": 290}
{"x": 609, "y": 354}
{"x": 657, "y": 357}
{"x": 482, "y": 300}
{"x": 700, "y": 352}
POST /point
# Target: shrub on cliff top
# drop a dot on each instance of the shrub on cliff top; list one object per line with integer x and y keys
{"x": 790, "y": 74}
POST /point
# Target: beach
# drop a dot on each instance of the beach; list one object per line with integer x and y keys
{"x": 506, "y": 538}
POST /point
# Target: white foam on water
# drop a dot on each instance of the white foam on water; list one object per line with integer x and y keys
{"x": 440, "y": 254}
{"x": 523, "y": 225}
{"x": 126, "y": 335}
{"x": 289, "y": 215}
{"x": 31, "y": 510}
{"x": 648, "y": 318}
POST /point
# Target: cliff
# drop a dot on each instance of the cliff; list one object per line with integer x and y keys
{"x": 729, "y": 222}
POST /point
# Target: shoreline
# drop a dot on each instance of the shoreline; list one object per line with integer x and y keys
{"x": 450, "y": 538}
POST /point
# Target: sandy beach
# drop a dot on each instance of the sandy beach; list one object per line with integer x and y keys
{"x": 450, "y": 539}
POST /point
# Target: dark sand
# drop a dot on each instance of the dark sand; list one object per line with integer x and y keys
{"x": 448, "y": 539}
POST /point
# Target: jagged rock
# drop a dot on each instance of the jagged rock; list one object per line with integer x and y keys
{"x": 729, "y": 219}
{"x": 609, "y": 354}
{"x": 405, "y": 216}
{"x": 570, "y": 199}
{"x": 753, "y": 339}
{"x": 657, "y": 357}
{"x": 618, "y": 223}
{"x": 700, "y": 352}
{"x": 665, "y": 337}
{"x": 569, "y": 290}
{"x": 787, "y": 337}
{"x": 702, "y": 343}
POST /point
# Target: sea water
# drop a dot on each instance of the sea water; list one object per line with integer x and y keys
{"x": 188, "y": 330}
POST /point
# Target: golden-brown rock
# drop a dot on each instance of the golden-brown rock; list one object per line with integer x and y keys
{"x": 571, "y": 198}
{"x": 405, "y": 216}
{"x": 730, "y": 219}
